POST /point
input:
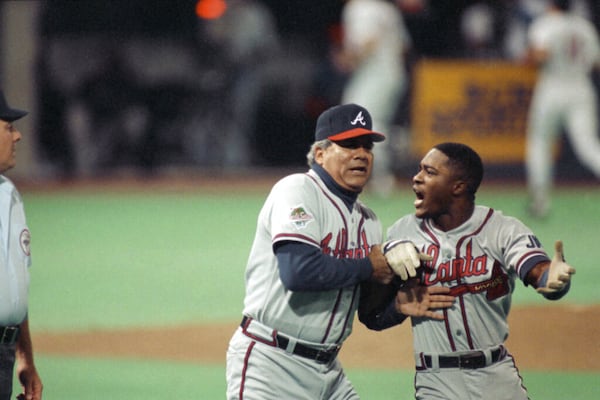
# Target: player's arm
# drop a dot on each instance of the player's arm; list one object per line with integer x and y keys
{"x": 536, "y": 56}
{"x": 376, "y": 308}
{"x": 551, "y": 278}
{"x": 303, "y": 267}
{"x": 26, "y": 370}
{"x": 383, "y": 307}
{"x": 355, "y": 57}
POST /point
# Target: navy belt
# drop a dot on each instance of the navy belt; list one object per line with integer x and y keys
{"x": 318, "y": 355}
{"x": 9, "y": 334}
{"x": 472, "y": 360}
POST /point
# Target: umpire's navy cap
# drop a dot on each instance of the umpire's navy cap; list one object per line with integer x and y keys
{"x": 345, "y": 122}
{"x": 7, "y": 113}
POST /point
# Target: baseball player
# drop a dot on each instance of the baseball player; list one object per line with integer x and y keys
{"x": 375, "y": 43}
{"x": 315, "y": 243}
{"x": 15, "y": 339}
{"x": 566, "y": 49}
{"x": 477, "y": 253}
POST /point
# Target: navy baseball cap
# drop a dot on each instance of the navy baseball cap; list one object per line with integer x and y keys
{"x": 9, "y": 114}
{"x": 345, "y": 122}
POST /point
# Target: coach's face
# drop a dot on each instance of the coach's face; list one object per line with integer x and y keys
{"x": 9, "y": 136}
{"x": 349, "y": 162}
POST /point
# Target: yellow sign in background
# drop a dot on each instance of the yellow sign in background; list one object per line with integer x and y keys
{"x": 481, "y": 104}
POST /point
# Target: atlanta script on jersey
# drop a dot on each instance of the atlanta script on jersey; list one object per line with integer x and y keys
{"x": 480, "y": 261}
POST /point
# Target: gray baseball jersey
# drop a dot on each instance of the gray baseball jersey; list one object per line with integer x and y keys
{"x": 480, "y": 261}
{"x": 300, "y": 208}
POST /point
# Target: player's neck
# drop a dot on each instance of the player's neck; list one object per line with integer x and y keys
{"x": 454, "y": 217}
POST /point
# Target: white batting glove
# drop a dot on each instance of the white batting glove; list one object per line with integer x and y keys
{"x": 403, "y": 257}
{"x": 559, "y": 273}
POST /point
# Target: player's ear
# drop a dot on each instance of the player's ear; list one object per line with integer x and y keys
{"x": 459, "y": 188}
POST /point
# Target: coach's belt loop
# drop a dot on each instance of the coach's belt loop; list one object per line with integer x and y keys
{"x": 259, "y": 332}
{"x": 487, "y": 353}
{"x": 435, "y": 362}
{"x": 291, "y": 345}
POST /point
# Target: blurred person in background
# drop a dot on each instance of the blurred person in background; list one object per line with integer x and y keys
{"x": 478, "y": 31}
{"x": 566, "y": 49}
{"x": 248, "y": 37}
{"x": 15, "y": 259}
{"x": 375, "y": 44}
{"x": 519, "y": 16}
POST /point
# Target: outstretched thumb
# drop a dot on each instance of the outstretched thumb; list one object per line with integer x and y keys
{"x": 558, "y": 251}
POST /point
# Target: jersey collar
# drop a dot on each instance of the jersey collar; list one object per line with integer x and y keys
{"x": 347, "y": 196}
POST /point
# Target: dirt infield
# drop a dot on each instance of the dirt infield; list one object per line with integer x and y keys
{"x": 552, "y": 337}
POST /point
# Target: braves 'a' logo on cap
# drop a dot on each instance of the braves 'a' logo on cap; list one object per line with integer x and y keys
{"x": 359, "y": 119}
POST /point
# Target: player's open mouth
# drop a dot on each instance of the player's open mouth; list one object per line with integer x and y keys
{"x": 420, "y": 196}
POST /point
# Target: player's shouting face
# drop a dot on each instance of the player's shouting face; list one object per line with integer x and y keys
{"x": 435, "y": 186}
{"x": 349, "y": 162}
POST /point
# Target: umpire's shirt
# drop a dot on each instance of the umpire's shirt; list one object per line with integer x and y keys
{"x": 14, "y": 256}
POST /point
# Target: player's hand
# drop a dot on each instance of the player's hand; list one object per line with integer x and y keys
{"x": 416, "y": 300}
{"x": 382, "y": 272}
{"x": 559, "y": 273}
{"x": 404, "y": 258}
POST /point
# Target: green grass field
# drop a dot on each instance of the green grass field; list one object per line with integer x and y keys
{"x": 106, "y": 260}
{"x": 94, "y": 379}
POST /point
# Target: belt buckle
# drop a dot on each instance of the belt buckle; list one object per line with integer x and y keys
{"x": 472, "y": 361}
{"x": 324, "y": 356}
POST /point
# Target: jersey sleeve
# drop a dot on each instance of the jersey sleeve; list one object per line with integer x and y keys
{"x": 304, "y": 268}
{"x": 398, "y": 230}
{"x": 294, "y": 211}
{"x": 522, "y": 250}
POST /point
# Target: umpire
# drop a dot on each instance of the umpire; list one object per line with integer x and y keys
{"x": 15, "y": 259}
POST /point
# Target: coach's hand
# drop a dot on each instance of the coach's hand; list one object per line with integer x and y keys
{"x": 382, "y": 272}
{"x": 404, "y": 258}
{"x": 558, "y": 276}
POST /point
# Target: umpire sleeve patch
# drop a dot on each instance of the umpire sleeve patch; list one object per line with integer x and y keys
{"x": 25, "y": 241}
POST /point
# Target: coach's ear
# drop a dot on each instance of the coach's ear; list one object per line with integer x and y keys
{"x": 318, "y": 154}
